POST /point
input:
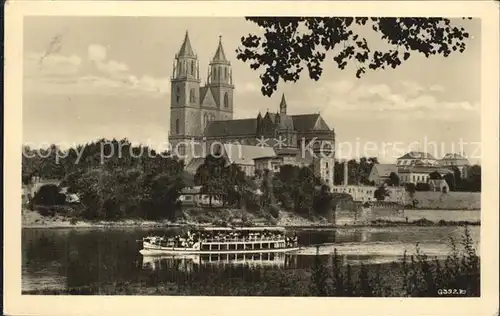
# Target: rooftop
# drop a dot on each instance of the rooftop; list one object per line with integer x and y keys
{"x": 384, "y": 170}
{"x": 245, "y": 154}
{"x": 186, "y": 49}
{"x": 417, "y": 155}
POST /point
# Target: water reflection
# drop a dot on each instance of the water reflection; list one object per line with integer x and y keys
{"x": 187, "y": 263}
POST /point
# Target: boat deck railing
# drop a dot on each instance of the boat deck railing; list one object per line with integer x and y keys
{"x": 261, "y": 239}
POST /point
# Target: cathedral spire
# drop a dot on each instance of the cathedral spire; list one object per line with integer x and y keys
{"x": 220, "y": 56}
{"x": 283, "y": 105}
{"x": 186, "y": 49}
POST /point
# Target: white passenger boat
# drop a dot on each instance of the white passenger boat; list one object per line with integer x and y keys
{"x": 222, "y": 240}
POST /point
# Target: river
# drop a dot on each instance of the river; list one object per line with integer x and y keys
{"x": 69, "y": 258}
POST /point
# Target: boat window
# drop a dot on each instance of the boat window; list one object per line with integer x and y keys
{"x": 214, "y": 258}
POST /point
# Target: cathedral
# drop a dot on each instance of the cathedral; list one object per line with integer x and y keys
{"x": 204, "y": 114}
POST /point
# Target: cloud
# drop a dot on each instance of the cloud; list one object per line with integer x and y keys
{"x": 340, "y": 100}
{"x": 97, "y": 52}
{"x": 436, "y": 88}
{"x": 40, "y": 64}
{"x": 411, "y": 88}
{"x": 58, "y": 74}
{"x": 249, "y": 87}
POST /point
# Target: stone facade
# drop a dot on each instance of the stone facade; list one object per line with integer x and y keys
{"x": 194, "y": 106}
{"x": 204, "y": 114}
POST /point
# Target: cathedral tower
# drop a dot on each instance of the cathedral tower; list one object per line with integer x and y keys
{"x": 283, "y": 105}
{"x": 184, "y": 104}
{"x": 220, "y": 80}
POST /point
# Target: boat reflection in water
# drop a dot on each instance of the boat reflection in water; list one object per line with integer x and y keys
{"x": 188, "y": 262}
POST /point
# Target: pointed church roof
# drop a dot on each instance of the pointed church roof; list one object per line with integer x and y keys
{"x": 219, "y": 53}
{"x": 186, "y": 49}
{"x": 283, "y": 101}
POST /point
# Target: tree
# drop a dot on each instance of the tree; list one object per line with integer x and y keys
{"x": 365, "y": 167}
{"x": 422, "y": 186}
{"x": 165, "y": 191}
{"x": 49, "y": 195}
{"x": 381, "y": 193}
{"x": 210, "y": 176}
{"x": 457, "y": 174}
{"x": 323, "y": 202}
{"x": 393, "y": 179}
{"x": 473, "y": 180}
{"x": 411, "y": 189}
{"x": 450, "y": 180}
{"x": 234, "y": 182}
{"x": 435, "y": 176}
{"x": 289, "y": 44}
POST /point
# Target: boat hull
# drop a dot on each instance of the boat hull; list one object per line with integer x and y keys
{"x": 183, "y": 251}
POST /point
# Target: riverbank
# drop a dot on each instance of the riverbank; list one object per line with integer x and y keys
{"x": 32, "y": 219}
{"x": 374, "y": 280}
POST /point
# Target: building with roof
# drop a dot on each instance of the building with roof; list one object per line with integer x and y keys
{"x": 244, "y": 155}
{"x": 453, "y": 159}
{"x": 416, "y": 158}
{"x": 459, "y": 161}
{"x": 380, "y": 173}
{"x": 419, "y": 174}
{"x": 203, "y": 114}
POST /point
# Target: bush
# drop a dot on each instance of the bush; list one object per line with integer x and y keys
{"x": 425, "y": 278}
{"x": 422, "y": 187}
{"x": 420, "y": 275}
{"x": 273, "y": 210}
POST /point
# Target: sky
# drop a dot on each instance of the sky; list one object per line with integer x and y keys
{"x": 87, "y": 78}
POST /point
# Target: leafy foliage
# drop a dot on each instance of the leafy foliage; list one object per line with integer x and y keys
{"x": 358, "y": 172}
{"x": 460, "y": 270}
{"x": 381, "y": 193}
{"x": 290, "y": 44}
{"x": 294, "y": 188}
{"x": 112, "y": 178}
{"x": 393, "y": 179}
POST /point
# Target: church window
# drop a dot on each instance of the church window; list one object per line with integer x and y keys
{"x": 178, "y": 95}
{"x": 177, "y": 126}
{"x": 192, "y": 97}
{"x": 214, "y": 74}
{"x": 225, "y": 73}
{"x": 218, "y": 74}
{"x": 226, "y": 100}
{"x": 192, "y": 68}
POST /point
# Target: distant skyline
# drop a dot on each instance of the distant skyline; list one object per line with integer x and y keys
{"x": 109, "y": 77}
